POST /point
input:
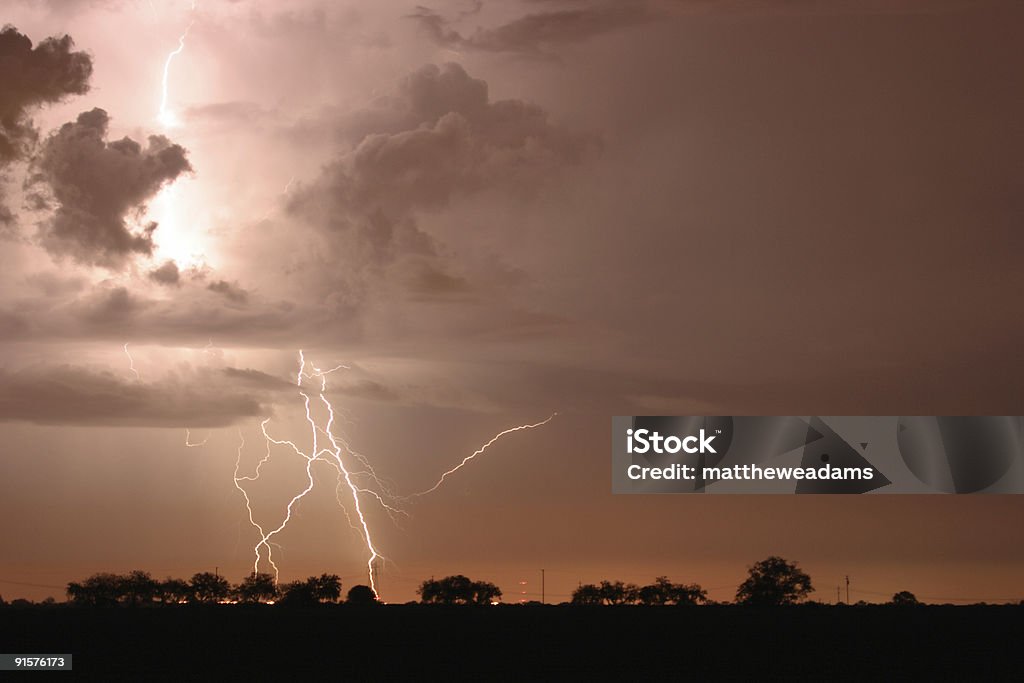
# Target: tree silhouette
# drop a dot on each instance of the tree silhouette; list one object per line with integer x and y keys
{"x": 139, "y": 588}
{"x": 774, "y": 581}
{"x": 904, "y": 598}
{"x": 313, "y": 591}
{"x": 208, "y": 587}
{"x": 256, "y": 588}
{"x": 326, "y": 587}
{"x": 174, "y": 591}
{"x": 664, "y": 592}
{"x": 484, "y": 593}
{"x": 298, "y": 594}
{"x": 618, "y": 593}
{"x": 99, "y": 590}
{"x": 458, "y": 590}
{"x": 586, "y": 594}
{"x": 661, "y": 592}
{"x": 361, "y": 595}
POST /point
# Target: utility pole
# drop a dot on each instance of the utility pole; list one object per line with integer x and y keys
{"x": 847, "y": 589}
{"x": 837, "y": 595}
{"x": 542, "y": 594}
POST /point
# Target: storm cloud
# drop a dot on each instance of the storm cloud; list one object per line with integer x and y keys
{"x": 438, "y": 139}
{"x": 538, "y": 32}
{"x": 32, "y": 77}
{"x": 74, "y": 395}
{"x": 440, "y": 136}
{"x": 98, "y": 186}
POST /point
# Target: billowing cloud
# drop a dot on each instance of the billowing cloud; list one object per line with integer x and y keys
{"x": 98, "y": 186}
{"x": 67, "y": 394}
{"x": 33, "y": 77}
{"x": 166, "y": 274}
{"x": 439, "y": 138}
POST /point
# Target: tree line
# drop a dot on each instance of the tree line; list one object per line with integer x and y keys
{"x": 137, "y": 588}
{"x": 771, "y": 582}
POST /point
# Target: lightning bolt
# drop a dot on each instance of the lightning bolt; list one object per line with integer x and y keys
{"x": 333, "y": 449}
{"x": 131, "y": 363}
{"x": 284, "y": 193}
{"x": 317, "y": 453}
{"x": 355, "y": 496}
{"x": 165, "y": 116}
{"x": 188, "y": 440}
{"x": 248, "y": 505}
{"x": 478, "y": 452}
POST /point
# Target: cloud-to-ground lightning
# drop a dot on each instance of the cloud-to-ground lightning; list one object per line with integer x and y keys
{"x": 248, "y": 504}
{"x": 334, "y": 452}
{"x": 131, "y": 363}
{"x": 332, "y": 449}
{"x": 165, "y": 116}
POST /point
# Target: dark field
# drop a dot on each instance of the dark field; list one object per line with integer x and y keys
{"x": 403, "y": 642}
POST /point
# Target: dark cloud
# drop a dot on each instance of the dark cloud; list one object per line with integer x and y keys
{"x": 257, "y": 378}
{"x": 366, "y": 389}
{"x": 441, "y": 136}
{"x": 6, "y": 217}
{"x": 429, "y": 282}
{"x": 111, "y": 308}
{"x": 537, "y": 32}
{"x": 98, "y": 185}
{"x": 68, "y": 394}
{"x": 438, "y": 138}
{"x": 230, "y": 291}
{"x": 167, "y": 274}
{"x": 32, "y": 77}
{"x": 63, "y": 309}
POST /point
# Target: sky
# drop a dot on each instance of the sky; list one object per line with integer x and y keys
{"x": 490, "y": 212}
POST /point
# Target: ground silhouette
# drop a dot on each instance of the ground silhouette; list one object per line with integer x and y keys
{"x": 132, "y": 627}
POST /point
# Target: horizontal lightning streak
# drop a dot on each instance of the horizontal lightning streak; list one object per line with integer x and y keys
{"x": 478, "y": 452}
